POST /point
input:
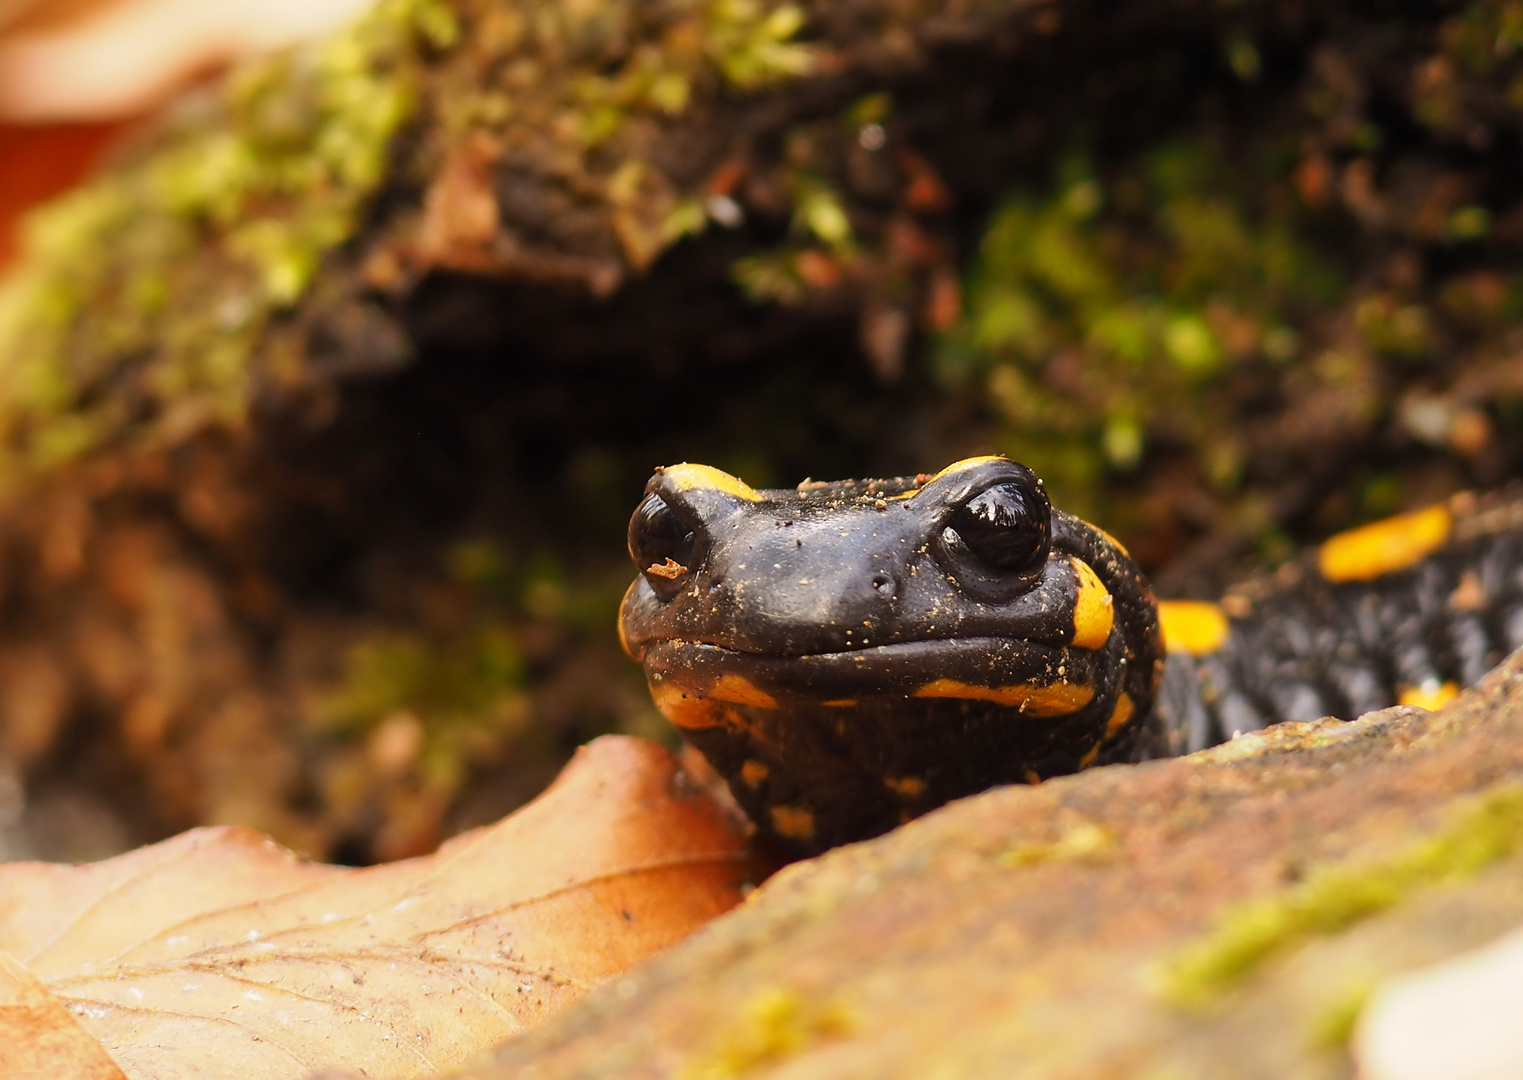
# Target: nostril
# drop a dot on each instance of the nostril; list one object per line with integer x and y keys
{"x": 883, "y": 584}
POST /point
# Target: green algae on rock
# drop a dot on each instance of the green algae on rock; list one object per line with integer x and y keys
{"x": 1332, "y": 898}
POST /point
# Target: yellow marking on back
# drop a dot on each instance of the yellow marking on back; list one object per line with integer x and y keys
{"x": 911, "y": 787}
{"x": 1385, "y": 546}
{"x": 684, "y": 711}
{"x": 967, "y": 463}
{"x": 1059, "y": 699}
{"x": 840, "y": 703}
{"x": 741, "y": 691}
{"x": 1120, "y": 714}
{"x": 1430, "y": 695}
{"x": 691, "y": 477}
{"x": 1089, "y": 756}
{"x": 794, "y": 822}
{"x": 1192, "y": 626}
{"x": 753, "y": 772}
{"x": 1094, "y": 609}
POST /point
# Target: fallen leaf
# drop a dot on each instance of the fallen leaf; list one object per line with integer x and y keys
{"x": 38, "y": 1037}
{"x": 37, "y": 163}
{"x": 219, "y": 952}
{"x": 105, "y": 60}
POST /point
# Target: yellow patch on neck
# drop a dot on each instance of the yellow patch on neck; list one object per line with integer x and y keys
{"x": 1059, "y": 699}
{"x": 1192, "y": 626}
{"x": 1094, "y": 609}
{"x": 690, "y": 477}
{"x": 1385, "y": 546}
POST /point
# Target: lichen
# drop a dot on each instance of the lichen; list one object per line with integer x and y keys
{"x": 1333, "y": 1026}
{"x": 1332, "y": 898}
{"x": 1083, "y": 842}
{"x": 776, "y": 1024}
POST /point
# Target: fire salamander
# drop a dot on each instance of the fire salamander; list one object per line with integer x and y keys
{"x": 850, "y": 655}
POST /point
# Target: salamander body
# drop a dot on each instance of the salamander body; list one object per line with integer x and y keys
{"x": 850, "y": 655}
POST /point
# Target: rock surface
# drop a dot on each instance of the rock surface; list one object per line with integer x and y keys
{"x": 1455, "y": 1021}
{"x": 1227, "y": 914}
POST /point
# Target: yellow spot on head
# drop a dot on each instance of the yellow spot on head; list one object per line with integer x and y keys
{"x": 1120, "y": 714}
{"x": 685, "y": 711}
{"x": 742, "y": 691}
{"x": 1059, "y": 699}
{"x": 1094, "y": 610}
{"x": 1430, "y": 695}
{"x": 688, "y": 477}
{"x": 793, "y": 822}
{"x": 967, "y": 463}
{"x": 1192, "y": 626}
{"x": 754, "y": 772}
{"x": 1386, "y": 546}
{"x": 911, "y": 787}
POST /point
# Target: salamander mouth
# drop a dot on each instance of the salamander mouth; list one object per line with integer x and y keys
{"x": 1003, "y": 670}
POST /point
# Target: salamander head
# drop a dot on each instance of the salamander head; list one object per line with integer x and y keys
{"x": 849, "y": 655}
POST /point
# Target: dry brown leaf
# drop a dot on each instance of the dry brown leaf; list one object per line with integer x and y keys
{"x": 38, "y": 1037}
{"x": 109, "y": 59}
{"x": 219, "y": 953}
{"x": 37, "y": 163}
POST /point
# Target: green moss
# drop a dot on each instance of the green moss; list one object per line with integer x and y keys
{"x": 160, "y": 298}
{"x": 187, "y": 255}
{"x": 464, "y": 690}
{"x": 1334, "y": 1025}
{"x": 1333, "y": 898}
{"x": 1102, "y": 315}
{"x": 775, "y": 1025}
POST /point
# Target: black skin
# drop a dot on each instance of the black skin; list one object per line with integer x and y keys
{"x": 788, "y": 633}
{"x": 791, "y": 634}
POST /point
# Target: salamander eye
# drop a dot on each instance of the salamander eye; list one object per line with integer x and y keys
{"x": 1006, "y": 526}
{"x": 663, "y": 546}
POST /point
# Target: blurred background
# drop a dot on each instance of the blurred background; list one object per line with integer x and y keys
{"x": 338, "y": 339}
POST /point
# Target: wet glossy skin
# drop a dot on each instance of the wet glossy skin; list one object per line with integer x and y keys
{"x": 851, "y": 655}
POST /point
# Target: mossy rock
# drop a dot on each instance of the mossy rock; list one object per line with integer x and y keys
{"x": 1222, "y": 915}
